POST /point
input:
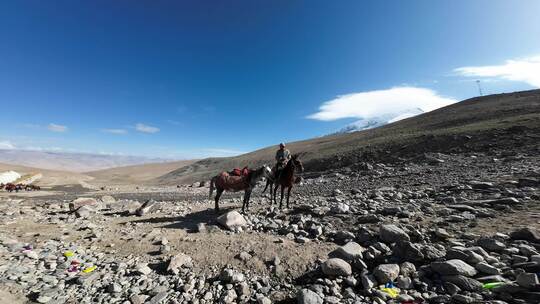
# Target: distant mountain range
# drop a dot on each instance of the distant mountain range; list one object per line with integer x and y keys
{"x": 375, "y": 122}
{"x": 74, "y": 162}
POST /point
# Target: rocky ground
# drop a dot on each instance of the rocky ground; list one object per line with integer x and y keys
{"x": 441, "y": 228}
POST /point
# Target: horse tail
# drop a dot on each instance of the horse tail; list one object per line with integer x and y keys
{"x": 212, "y": 181}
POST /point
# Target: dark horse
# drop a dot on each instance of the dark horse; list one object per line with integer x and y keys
{"x": 225, "y": 181}
{"x": 286, "y": 179}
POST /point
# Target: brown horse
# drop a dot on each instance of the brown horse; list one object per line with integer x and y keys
{"x": 286, "y": 179}
{"x": 225, "y": 181}
{"x": 10, "y": 187}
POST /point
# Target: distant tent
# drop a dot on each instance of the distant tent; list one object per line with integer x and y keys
{"x": 9, "y": 177}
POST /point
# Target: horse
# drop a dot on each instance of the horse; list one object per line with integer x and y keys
{"x": 286, "y": 180}
{"x": 10, "y": 187}
{"x": 32, "y": 188}
{"x": 224, "y": 181}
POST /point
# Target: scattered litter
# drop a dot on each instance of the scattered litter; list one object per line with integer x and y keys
{"x": 391, "y": 291}
{"x": 492, "y": 285}
{"x": 89, "y": 269}
{"x": 68, "y": 254}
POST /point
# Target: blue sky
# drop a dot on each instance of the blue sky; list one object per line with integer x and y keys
{"x": 183, "y": 79}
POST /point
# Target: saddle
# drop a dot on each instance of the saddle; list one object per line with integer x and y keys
{"x": 240, "y": 172}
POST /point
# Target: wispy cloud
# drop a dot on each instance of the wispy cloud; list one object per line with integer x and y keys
{"x": 114, "y": 131}
{"x": 524, "y": 70}
{"x": 391, "y": 104}
{"x": 146, "y": 128}
{"x": 6, "y": 145}
{"x": 57, "y": 128}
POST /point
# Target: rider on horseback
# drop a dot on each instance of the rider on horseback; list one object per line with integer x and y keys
{"x": 282, "y": 157}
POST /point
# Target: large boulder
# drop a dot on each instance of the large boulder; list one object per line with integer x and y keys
{"x": 306, "y": 296}
{"x": 147, "y": 207}
{"x": 336, "y": 267}
{"x": 84, "y": 211}
{"x": 386, "y": 273}
{"x": 393, "y": 234}
{"x": 491, "y": 244}
{"x": 83, "y": 201}
{"x": 178, "y": 261}
{"x": 349, "y": 252}
{"x": 453, "y": 267}
{"x": 232, "y": 220}
{"x": 528, "y": 234}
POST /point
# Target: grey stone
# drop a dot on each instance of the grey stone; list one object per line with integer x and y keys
{"x": 453, "y": 267}
{"x": 484, "y": 267}
{"x": 84, "y": 211}
{"x": 528, "y": 234}
{"x": 368, "y": 281}
{"x": 350, "y": 251}
{"x": 336, "y": 267}
{"x": 83, "y": 201}
{"x": 386, "y": 273}
{"x": 232, "y": 220}
{"x": 178, "y": 261}
{"x": 527, "y": 280}
{"x": 407, "y": 269}
{"x": 306, "y": 296}
{"x": 463, "y": 282}
{"x": 491, "y": 244}
{"x": 147, "y": 207}
{"x": 143, "y": 268}
{"x": 393, "y": 234}
{"x": 159, "y": 298}
{"x": 231, "y": 276}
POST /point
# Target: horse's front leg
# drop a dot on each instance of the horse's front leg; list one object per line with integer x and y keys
{"x": 272, "y": 194}
{"x": 218, "y": 195}
{"x": 274, "y": 200}
{"x": 281, "y": 199}
{"x": 248, "y": 198}
{"x": 288, "y": 195}
{"x": 244, "y": 201}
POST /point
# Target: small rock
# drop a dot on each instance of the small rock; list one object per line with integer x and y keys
{"x": 527, "y": 280}
{"x": 306, "y": 296}
{"x": 178, "y": 261}
{"x": 143, "y": 268}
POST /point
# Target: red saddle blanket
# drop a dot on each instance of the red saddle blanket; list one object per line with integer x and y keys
{"x": 239, "y": 172}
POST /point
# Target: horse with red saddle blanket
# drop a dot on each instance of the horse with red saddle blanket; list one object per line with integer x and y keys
{"x": 246, "y": 180}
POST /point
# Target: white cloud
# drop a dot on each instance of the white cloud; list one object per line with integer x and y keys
{"x": 6, "y": 145}
{"x": 524, "y": 70}
{"x": 145, "y": 128}
{"x": 57, "y": 128}
{"x": 390, "y": 104}
{"x": 114, "y": 131}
